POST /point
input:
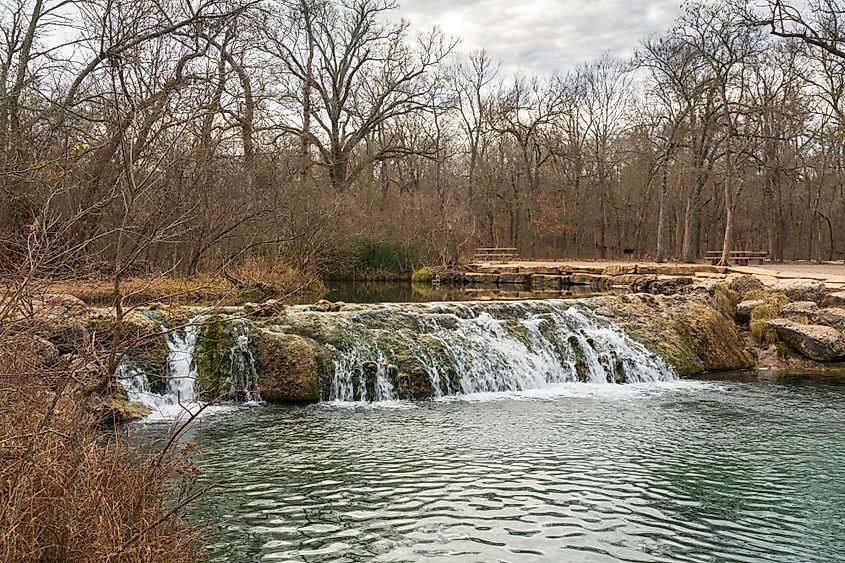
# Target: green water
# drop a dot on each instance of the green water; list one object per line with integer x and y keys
{"x": 683, "y": 471}
{"x": 406, "y": 292}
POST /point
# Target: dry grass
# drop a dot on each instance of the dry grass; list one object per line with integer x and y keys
{"x": 262, "y": 279}
{"x": 68, "y": 492}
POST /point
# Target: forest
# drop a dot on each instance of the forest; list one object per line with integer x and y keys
{"x": 182, "y": 137}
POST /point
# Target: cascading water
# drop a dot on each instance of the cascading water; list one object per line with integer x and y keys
{"x": 242, "y": 372}
{"x": 181, "y": 374}
{"x": 467, "y": 348}
{"x": 180, "y": 391}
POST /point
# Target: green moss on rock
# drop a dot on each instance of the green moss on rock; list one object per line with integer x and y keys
{"x": 291, "y": 367}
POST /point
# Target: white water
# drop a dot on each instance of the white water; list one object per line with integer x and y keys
{"x": 180, "y": 397}
{"x": 494, "y": 349}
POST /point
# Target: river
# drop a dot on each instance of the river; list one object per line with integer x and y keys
{"x": 695, "y": 470}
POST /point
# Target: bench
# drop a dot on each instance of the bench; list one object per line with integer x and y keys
{"x": 497, "y": 254}
{"x": 740, "y": 257}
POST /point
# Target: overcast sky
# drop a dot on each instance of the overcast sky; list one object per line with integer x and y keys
{"x": 544, "y": 36}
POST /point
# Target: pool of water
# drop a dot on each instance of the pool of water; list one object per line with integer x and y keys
{"x": 679, "y": 471}
{"x": 406, "y": 292}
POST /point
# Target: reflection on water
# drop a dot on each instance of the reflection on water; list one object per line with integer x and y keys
{"x": 682, "y": 471}
{"x": 406, "y": 292}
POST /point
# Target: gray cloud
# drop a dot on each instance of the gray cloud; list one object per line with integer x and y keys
{"x": 544, "y": 36}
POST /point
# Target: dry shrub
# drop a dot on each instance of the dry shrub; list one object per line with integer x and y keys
{"x": 69, "y": 492}
{"x": 274, "y": 278}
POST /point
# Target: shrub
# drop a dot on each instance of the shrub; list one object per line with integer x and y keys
{"x": 370, "y": 260}
{"x": 422, "y": 275}
{"x": 69, "y": 493}
{"x": 763, "y": 333}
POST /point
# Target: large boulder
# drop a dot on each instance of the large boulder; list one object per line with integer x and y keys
{"x": 690, "y": 332}
{"x": 816, "y": 342}
{"x": 802, "y": 290}
{"x": 831, "y": 316}
{"x": 289, "y": 367}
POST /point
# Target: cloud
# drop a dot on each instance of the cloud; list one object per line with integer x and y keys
{"x": 544, "y": 36}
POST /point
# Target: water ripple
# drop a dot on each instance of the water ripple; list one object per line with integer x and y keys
{"x": 688, "y": 472}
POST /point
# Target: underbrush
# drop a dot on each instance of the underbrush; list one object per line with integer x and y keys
{"x": 70, "y": 492}
{"x": 369, "y": 260}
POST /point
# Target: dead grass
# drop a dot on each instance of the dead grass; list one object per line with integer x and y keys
{"x": 70, "y": 493}
{"x": 261, "y": 279}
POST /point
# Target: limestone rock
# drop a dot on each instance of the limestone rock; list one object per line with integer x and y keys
{"x": 589, "y": 279}
{"x": 831, "y": 316}
{"x": 802, "y": 290}
{"x": 836, "y": 299}
{"x": 476, "y": 278}
{"x": 745, "y": 284}
{"x": 289, "y": 367}
{"x": 620, "y": 269}
{"x": 688, "y": 331}
{"x": 546, "y": 282}
{"x": 629, "y": 280}
{"x": 799, "y": 309}
{"x": 816, "y": 342}
{"x": 323, "y": 305}
{"x": 510, "y": 278}
{"x": 662, "y": 285}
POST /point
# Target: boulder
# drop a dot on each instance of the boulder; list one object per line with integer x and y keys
{"x": 802, "y": 290}
{"x": 745, "y": 284}
{"x": 744, "y": 308}
{"x": 688, "y": 331}
{"x": 816, "y": 342}
{"x": 289, "y": 367}
{"x": 836, "y": 299}
{"x": 799, "y": 309}
{"x": 831, "y": 316}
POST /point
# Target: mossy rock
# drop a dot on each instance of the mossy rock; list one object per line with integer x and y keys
{"x": 291, "y": 367}
{"x": 211, "y": 358}
{"x": 140, "y": 340}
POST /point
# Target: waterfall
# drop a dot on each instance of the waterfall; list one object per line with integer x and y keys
{"x": 466, "y": 348}
{"x": 181, "y": 372}
{"x": 242, "y": 372}
{"x": 181, "y": 389}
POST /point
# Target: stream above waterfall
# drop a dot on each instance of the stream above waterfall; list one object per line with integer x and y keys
{"x": 666, "y": 471}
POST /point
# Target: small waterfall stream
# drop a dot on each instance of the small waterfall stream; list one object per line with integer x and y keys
{"x": 181, "y": 390}
{"x": 466, "y": 348}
